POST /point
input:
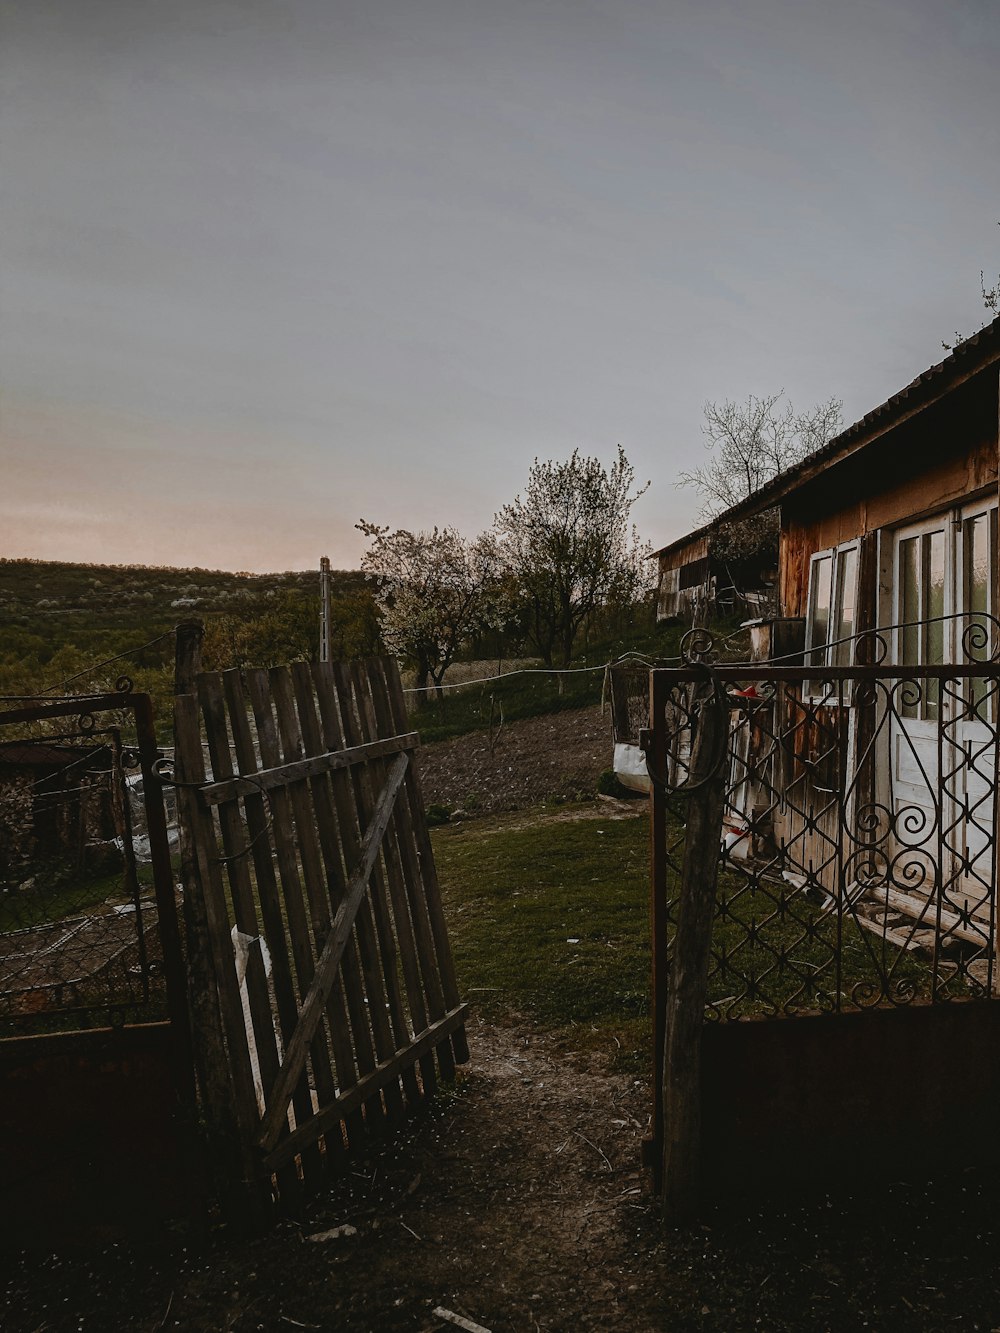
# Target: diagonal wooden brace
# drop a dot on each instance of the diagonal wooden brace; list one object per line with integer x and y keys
{"x": 276, "y": 1116}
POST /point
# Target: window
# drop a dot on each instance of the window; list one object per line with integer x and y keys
{"x": 833, "y": 594}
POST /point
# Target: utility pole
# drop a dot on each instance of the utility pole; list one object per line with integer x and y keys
{"x": 324, "y": 609}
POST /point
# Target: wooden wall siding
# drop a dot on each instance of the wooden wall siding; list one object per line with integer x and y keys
{"x": 311, "y": 841}
{"x": 685, "y": 555}
{"x": 941, "y": 457}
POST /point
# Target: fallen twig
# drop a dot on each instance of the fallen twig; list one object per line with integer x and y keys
{"x": 595, "y": 1148}
{"x": 458, "y": 1319}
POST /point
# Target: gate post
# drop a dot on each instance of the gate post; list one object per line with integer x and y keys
{"x": 226, "y": 1136}
{"x": 687, "y": 984}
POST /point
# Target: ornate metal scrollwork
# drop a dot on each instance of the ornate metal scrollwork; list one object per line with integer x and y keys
{"x": 697, "y": 645}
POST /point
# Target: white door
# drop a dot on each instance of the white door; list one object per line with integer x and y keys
{"x": 943, "y": 736}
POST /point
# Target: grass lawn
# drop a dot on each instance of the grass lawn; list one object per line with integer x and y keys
{"x": 548, "y": 917}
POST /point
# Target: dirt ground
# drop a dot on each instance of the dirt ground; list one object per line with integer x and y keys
{"x": 559, "y": 755}
{"x": 517, "y": 1203}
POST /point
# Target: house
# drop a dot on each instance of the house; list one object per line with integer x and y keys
{"x": 888, "y": 556}
{"x": 701, "y": 574}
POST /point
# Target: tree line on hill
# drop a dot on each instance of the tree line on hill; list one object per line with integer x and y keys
{"x": 560, "y": 565}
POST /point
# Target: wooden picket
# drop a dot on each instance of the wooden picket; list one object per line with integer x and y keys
{"x": 311, "y": 871}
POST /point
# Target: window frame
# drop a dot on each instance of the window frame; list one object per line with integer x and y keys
{"x": 836, "y": 555}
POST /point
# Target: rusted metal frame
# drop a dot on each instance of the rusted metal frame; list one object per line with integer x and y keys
{"x": 232, "y": 789}
{"x": 141, "y": 708}
{"x": 163, "y": 881}
{"x": 729, "y": 672}
{"x": 124, "y": 824}
{"x": 841, "y": 815}
{"x": 994, "y": 959}
{"x": 658, "y": 910}
{"x": 72, "y": 707}
{"x": 688, "y": 983}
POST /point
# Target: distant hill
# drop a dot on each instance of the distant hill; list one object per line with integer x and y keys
{"x": 56, "y": 601}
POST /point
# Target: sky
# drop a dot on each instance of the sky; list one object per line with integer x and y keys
{"x": 268, "y": 267}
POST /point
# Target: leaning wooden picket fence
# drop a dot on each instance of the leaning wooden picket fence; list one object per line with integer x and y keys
{"x": 322, "y": 989}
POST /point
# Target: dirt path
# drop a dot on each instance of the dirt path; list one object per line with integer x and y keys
{"x": 518, "y": 1204}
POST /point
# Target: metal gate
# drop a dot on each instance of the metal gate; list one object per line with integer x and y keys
{"x": 817, "y": 856}
{"x": 94, "y": 1046}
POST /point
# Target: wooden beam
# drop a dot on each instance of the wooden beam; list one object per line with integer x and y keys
{"x": 687, "y": 985}
{"x": 924, "y": 911}
{"x": 329, "y": 960}
{"x": 368, "y": 1086}
{"x": 232, "y": 788}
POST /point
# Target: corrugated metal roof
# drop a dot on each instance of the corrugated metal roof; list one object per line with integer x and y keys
{"x": 966, "y": 358}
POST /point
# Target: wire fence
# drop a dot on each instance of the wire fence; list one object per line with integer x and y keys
{"x": 564, "y": 747}
{"x": 79, "y": 940}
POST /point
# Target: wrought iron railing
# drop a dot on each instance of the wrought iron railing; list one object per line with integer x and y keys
{"x": 859, "y": 827}
{"x": 85, "y": 881}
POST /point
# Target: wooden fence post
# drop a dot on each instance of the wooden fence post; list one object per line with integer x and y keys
{"x": 211, "y": 1059}
{"x": 687, "y": 985}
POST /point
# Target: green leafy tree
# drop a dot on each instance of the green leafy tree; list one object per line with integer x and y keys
{"x": 434, "y": 591}
{"x": 288, "y": 631}
{"x": 566, "y": 548}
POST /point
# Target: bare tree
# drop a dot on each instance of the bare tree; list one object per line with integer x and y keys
{"x": 566, "y": 548}
{"x": 991, "y": 302}
{"x": 434, "y": 590}
{"x": 754, "y": 442}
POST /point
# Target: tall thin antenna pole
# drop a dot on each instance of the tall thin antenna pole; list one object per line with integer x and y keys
{"x": 324, "y": 609}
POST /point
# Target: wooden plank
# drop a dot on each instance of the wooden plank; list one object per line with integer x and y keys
{"x": 428, "y": 871}
{"x": 329, "y": 960}
{"x": 386, "y": 1070}
{"x": 918, "y": 909}
{"x": 323, "y": 875}
{"x": 372, "y": 1037}
{"x": 268, "y": 893}
{"x": 347, "y": 1020}
{"x": 299, "y": 769}
{"x": 286, "y": 853}
{"x": 235, "y": 842}
{"x": 377, "y": 954}
{"x": 409, "y": 908}
{"x": 379, "y": 721}
{"x": 365, "y": 782}
{"x": 229, "y": 1082}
